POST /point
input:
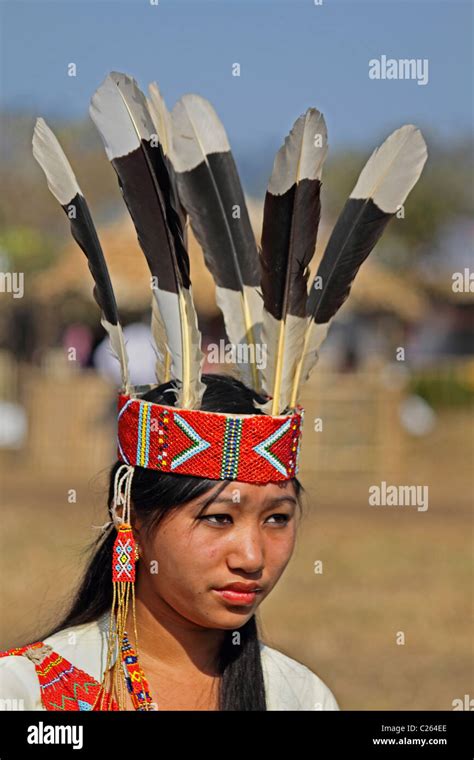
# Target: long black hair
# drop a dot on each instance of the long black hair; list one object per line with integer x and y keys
{"x": 153, "y": 494}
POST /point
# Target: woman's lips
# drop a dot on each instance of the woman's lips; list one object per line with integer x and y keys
{"x": 237, "y": 597}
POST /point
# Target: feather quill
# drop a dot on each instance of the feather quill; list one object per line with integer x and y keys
{"x": 161, "y": 119}
{"x": 65, "y": 188}
{"x": 383, "y": 186}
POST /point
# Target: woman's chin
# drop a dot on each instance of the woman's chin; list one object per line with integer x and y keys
{"x": 226, "y": 619}
{"x": 230, "y": 614}
{"x": 232, "y": 620}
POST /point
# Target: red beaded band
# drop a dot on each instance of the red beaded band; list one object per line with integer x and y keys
{"x": 254, "y": 448}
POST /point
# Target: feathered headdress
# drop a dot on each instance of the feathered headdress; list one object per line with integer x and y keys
{"x": 178, "y": 166}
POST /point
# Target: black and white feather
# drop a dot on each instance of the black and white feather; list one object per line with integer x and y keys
{"x": 210, "y": 190}
{"x": 382, "y": 188}
{"x": 65, "y": 188}
{"x": 290, "y": 226}
{"x": 119, "y": 111}
{"x": 162, "y": 120}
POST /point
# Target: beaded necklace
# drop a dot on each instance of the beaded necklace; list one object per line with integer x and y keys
{"x": 135, "y": 678}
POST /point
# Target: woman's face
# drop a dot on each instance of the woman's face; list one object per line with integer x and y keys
{"x": 245, "y": 535}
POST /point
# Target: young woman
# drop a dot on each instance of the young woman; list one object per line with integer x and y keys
{"x": 199, "y": 645}
{"x": 207, "y": 483}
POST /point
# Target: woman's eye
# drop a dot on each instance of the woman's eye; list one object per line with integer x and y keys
{"x": 216, "y": 519}
{"x": 284, "y": 518}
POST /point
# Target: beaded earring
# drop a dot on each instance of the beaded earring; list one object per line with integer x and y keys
{"x": 125, "y": 554}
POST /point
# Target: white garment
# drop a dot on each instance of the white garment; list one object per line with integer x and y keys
{"x": 289, "y": 685}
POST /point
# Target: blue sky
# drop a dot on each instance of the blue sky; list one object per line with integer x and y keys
{"x": 293, "y": 54}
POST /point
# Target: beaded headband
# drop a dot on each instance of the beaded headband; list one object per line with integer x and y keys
{"x": 254, "y": 448}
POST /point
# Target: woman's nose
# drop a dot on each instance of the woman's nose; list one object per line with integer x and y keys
{"x": 247, "y": 550}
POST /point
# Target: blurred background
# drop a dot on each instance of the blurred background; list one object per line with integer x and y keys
{"x": 395, "y": 381}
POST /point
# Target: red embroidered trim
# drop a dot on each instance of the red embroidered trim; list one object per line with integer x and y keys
{"x": 65, "y": 687}
{"x": 62, "y": 685}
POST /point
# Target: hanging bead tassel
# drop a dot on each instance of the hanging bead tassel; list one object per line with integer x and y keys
{"x": 123, "y": 579}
